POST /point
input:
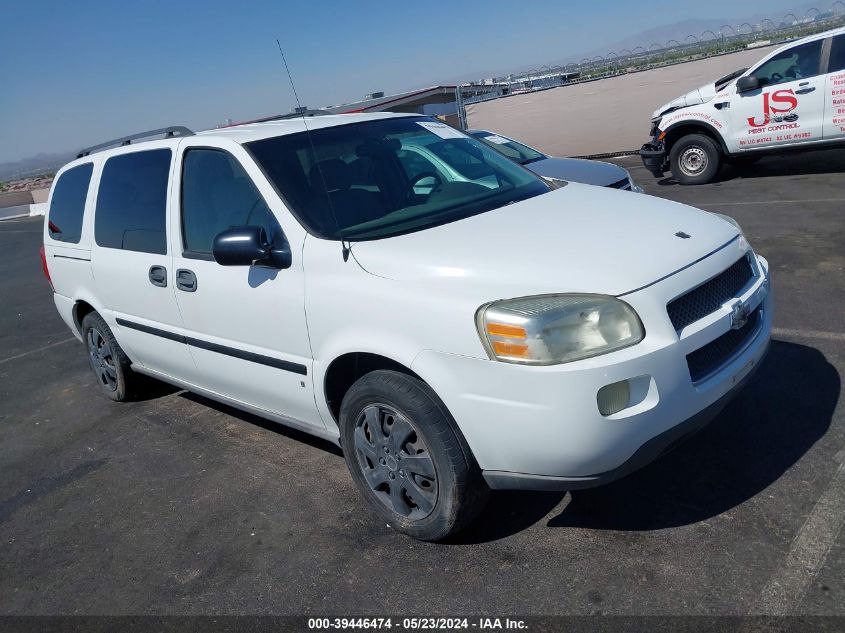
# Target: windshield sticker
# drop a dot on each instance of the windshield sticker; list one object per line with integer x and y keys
{"x": 440, "y": 129}
{"x": 498, "y": 140}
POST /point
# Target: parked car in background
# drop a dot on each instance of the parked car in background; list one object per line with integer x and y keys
{"x": 484, "y": 330}
{"x": 792, "y": 100}
{"x": 588, "y": 172}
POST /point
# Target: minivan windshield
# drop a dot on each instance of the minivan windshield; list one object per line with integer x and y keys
{"x": 375, "y": 179}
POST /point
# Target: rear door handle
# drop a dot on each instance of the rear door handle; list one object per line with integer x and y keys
{"x": 804, "y": 91}
{"x": 186, "y": 280}
{"x": 158, "y": 276}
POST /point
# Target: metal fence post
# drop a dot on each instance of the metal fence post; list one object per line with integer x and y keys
{"x": 462, "y": 113}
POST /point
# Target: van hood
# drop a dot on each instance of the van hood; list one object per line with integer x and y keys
{"x": 702, "y": 94}
{"x": 575, "y": 239}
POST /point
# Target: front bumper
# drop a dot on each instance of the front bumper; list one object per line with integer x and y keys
{"x": 653, "y": 156}
{"x": 540, "y": 427}
{"x": 644, "y": 455}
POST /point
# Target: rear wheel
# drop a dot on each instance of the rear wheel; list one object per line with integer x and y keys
{"x": 110, "y": 365}
{"x": 695, "y": 159}
{"x": 405, "y": 457}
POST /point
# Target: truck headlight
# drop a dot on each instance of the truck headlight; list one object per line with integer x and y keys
{"x": 553, "y": 329}
{"x": 655, "y": 125}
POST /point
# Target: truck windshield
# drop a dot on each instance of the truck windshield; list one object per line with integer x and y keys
{"x": 375, "y": 179}
{"x": 510, "y": 148}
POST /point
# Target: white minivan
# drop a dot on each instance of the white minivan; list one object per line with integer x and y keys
{"x": 454, "y": 329}
{"x": 791, "y": 100}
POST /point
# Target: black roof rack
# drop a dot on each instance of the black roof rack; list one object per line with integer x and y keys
{"x": 168, "y": 132}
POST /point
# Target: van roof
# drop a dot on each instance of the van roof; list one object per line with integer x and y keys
{"x": 249, "y": 132}
{"x": 244, "y": 133}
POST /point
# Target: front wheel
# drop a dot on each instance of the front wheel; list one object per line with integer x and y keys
{"x": 695, "y": 159}
{"x": 405, "y": 457}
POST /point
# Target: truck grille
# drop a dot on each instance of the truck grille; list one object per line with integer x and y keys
{"x": 711, "y": 295}
{"x": 708, "y": 359}
{"x": 625, "y": 183}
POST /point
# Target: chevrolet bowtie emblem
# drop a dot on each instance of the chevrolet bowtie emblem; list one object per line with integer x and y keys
{"x": 739, "y": 315}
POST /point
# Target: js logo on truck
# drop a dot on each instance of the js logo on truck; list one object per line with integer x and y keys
{"x": 777, "y": 106}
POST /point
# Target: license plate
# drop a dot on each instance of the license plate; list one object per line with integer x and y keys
{"x": 742, "y": 373}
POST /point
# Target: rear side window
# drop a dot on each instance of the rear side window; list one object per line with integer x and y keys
{"x": 68, "y": 204}
{"x": 132, "y": 202}
{"x": 837, "y": 54}
{"x": 217, "y": 194}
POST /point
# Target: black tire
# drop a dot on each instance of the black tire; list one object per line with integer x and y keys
{"x": 391, "y": 425}
{"x": 107, "y": 360}
{"x": 695, "y": 159}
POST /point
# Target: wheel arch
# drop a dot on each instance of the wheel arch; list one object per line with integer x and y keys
{"x": 677, "y": 131}
{"x": 81, "y": 309}
{"x": 344, "y": 370}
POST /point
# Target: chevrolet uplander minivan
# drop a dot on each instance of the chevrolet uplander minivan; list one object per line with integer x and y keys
{"x": 455, "y": 327}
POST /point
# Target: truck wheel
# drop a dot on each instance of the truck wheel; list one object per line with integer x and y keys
{"x": 110, "y": 365}
{"x": 695, "y": 159}
{"x": 406, "y": 458}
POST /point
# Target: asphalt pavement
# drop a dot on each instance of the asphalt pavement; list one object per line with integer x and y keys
{"x": 178, "y": 505}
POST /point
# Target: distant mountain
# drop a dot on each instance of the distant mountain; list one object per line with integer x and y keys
{"x": 679, "y": 31}
{"x": 34, "y": 166}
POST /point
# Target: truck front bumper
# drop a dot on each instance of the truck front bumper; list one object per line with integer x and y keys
{"x": 653, "y": 156}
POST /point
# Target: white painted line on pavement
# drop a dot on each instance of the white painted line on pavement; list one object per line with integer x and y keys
{"x": 808, "y": 553}
{"x": 769, "y": 202}
{"x": 40, "y": 349}
{"x": 788, "y": 332}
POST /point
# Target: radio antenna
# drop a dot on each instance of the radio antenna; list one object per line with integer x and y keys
{"x": 345, "y": 245}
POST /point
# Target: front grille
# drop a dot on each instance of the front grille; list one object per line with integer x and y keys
{"x": 706, "y": 360}
{"x": 711, "y": 295}
{"x": 625, "y": 183}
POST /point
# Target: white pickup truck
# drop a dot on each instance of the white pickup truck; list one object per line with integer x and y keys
{"x": 791, "y": 100}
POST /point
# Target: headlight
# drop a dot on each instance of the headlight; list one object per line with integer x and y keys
{"x": 552, "y": 329}
{"x": 729, "y": 220}
{"x": 655, "y": 125}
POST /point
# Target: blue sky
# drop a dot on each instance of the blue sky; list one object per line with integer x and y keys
{"x": 75, "y": 73}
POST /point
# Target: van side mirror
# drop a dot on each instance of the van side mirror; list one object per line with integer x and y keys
{"x": 249, "y": 246}
{"x": 749, "y": 82}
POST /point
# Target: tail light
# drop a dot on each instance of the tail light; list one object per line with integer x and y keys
{"x": 44, "y": 267}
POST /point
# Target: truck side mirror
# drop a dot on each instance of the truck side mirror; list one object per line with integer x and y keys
{"x": 749, "y": 82}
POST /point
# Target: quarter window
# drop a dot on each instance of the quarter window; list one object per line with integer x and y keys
{"x": 217, "y": 194}
{"x": 132, "y": 202}
{"x": 837, "y": 54}
{"x": 67, "y": 207}
{"x": 798, "y": 62}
